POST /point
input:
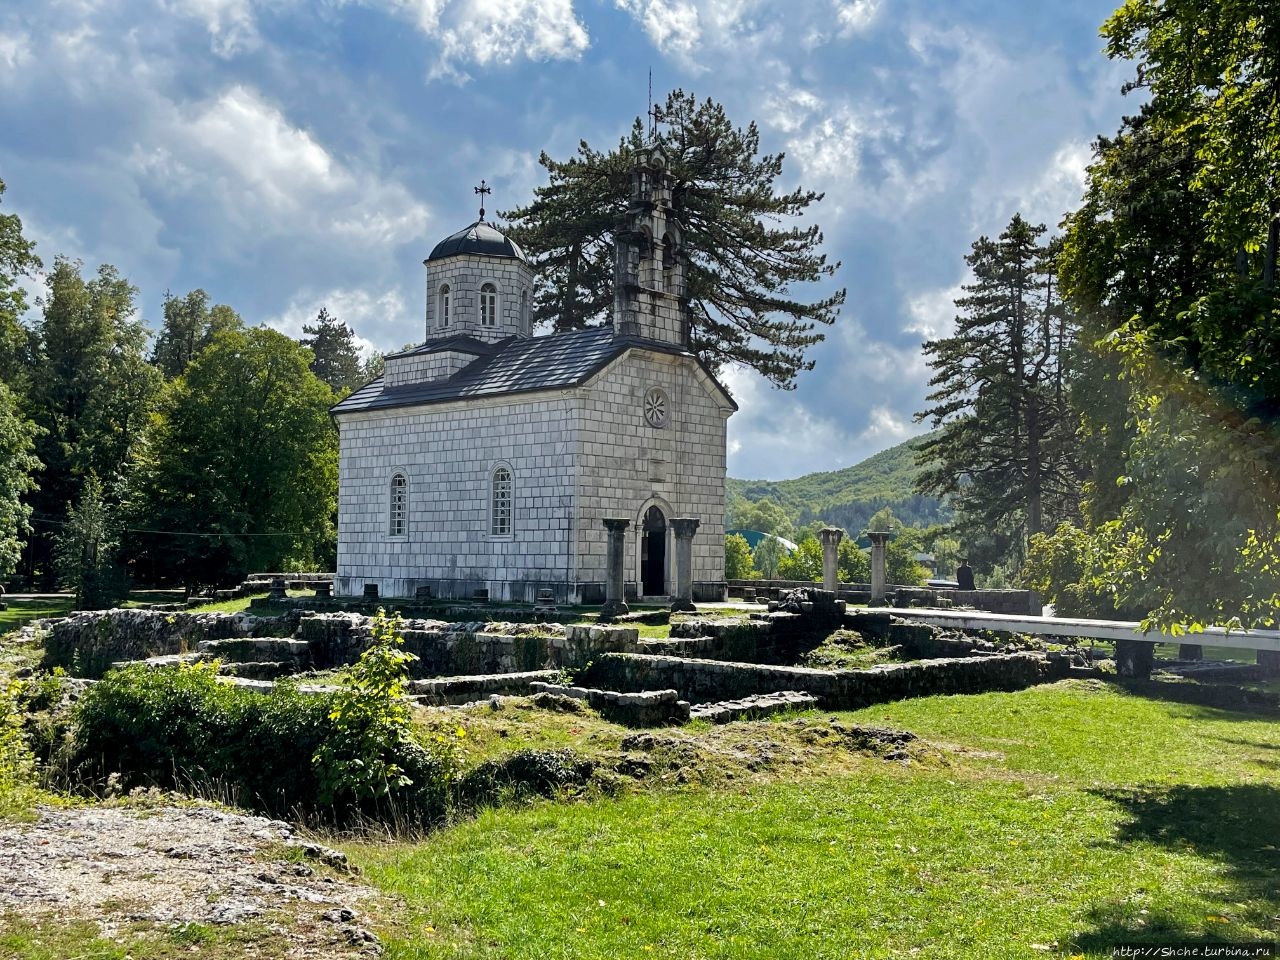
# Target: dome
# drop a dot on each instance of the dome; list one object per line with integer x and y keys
{"x": 479, "y": 238}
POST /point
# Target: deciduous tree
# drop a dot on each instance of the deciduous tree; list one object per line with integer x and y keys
{"x": 240, "y": 472}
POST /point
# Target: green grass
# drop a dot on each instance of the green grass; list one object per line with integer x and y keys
{"x": 1068, "y": 817}
{"x": 59, "y": 938}
{"x": 22, "y": 612}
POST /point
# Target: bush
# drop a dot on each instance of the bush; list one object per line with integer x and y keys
{"x": 17, "y": 765}
{"x": 337, "y": 757}
{"x": 524, "y": 774}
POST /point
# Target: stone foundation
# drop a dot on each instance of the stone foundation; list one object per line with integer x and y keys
{"x": 702, "y": 681}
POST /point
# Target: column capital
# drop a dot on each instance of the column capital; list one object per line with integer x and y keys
{"x": 685, "y": 527}
{"x": 879, "y": 537}
{"x": 834, "y": 534}
{"x": 616, "y": 524}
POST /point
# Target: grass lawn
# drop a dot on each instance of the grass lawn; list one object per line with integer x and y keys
{"x": 1056, "y": 821}
{"x": 21, "y": 612}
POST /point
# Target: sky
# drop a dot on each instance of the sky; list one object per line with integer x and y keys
{"x": 287, "y": 155}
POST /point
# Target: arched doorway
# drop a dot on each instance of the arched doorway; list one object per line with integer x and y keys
{"x": 653, "y": 553}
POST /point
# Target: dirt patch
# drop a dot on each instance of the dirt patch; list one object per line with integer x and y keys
{"x": 177, "y": 866}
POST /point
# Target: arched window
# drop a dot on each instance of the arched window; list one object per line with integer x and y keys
{"x": 444, "y": 305}
{"x": 488, "y": 305}
{"x": 500, "y": 502}
{"x": 398, "y": 508}
{"x": 524, "y": 311}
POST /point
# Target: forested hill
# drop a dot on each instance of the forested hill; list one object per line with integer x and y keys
{"x": 849, "y": 497}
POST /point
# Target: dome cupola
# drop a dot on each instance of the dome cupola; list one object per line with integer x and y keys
{"x": 479, "y": 284}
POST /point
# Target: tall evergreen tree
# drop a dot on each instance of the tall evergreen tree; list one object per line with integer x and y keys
{"x": 336, "y": 357}
{"x": 742, "y": 268}
{"x": 190, "y": 325}
{"x": 91, "y": 391}
{"x": 85, "y": 551}
{"x": 1004, "y": 450}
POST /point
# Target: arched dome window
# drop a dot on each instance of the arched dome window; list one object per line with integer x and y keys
{"x": 445, "y": 299}
{"x": 524, "y": 311}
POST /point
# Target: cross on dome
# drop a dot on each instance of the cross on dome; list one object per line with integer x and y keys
{"x": 481, "y": 191}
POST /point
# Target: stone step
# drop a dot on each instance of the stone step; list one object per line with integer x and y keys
{"x": 258, "y": 669}
{"x": 651, "y": 708}
{"x": 257, "y": 650}
{"x": 441, "y": 690}
{"x": 753, "y": 708}
{"x": 168, "y": 660}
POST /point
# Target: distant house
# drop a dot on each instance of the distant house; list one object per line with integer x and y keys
{"x": 754, "y": 537}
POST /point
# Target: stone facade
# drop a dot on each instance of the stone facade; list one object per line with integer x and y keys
{"x": 575, "y": 457}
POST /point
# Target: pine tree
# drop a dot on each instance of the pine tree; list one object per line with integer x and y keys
{"x": 190, "y": 324}
{"x": 337, "y": 358}
{"x": 1004, "y": 452}
{"x": 741, "y": 269}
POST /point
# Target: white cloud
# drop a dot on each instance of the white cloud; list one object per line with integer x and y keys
{"x": 15, "y": 50}
{"x": 855, "y": 16}
{"x": 271, "y": 176}
{"x": 933, "y": 312}
{"x": 1059, "y": 186}
{"x": 496, "y": 32}
{"x": 376, "y": 317}
{"x": 229, "y": 22}
{"x": 672, "y": 27}
{"x": 886, "y": 428}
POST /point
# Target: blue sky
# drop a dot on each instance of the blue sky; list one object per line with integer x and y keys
{"x": 287, "y": 155}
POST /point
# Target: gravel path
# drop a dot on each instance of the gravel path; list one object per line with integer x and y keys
{"x": 179, "y": 865}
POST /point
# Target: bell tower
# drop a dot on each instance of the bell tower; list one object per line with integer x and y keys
{"x": 650, "y": 298}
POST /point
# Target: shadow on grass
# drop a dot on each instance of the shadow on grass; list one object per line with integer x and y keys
{"x": 1236, "y": 826}
{"x": 1219, "y": 696}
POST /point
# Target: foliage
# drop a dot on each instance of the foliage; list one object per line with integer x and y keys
{"x": 240, "y": 472}
{"x": 803, "y": 563}
{"x": 854, "y": 565}
{"x": 1171, "y": 259}
{"x": 183, "y": 728}
{"x": 371, "y": 721}
{"x": 737, "y": 559}
{"x": 336, "y": 356}
{"x": 17, "y": 259}
{"x": 85, "y": 551}
{"x": 741, "y": 267}
{"x": 17, "y": 464}
{"x": 1004, "y": 450}
{"x": 90, "y": 392}
{"x": 17, "y": 764}
{"x": 762, "y": 515}
{"x": 1069, "y": 569}
{"x": 190, "y": 325}
{"x": 522, "y": 775}
{"x": 767, "y": 556}
{"x": 845, "y": 498}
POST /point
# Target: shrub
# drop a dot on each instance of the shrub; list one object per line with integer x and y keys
{"x": 17, "y": 765}
{"x": 521, "y": 775}
{"x": 336, "y": 757}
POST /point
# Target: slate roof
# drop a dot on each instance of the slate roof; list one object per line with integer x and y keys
{"x": 513, "y": 365}
{"x": 480, "y": 237}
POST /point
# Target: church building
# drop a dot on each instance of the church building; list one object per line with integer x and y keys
{"x": 488, "y": 459}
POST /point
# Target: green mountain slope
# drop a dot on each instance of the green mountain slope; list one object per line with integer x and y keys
{"x": 849, "y": 497}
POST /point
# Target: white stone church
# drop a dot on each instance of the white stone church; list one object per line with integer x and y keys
{"x": 487, "y": 459}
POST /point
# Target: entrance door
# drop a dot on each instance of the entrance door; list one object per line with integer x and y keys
{"x": 653, "y": 554}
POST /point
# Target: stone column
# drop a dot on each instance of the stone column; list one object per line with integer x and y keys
{"x": 831, "y": 537}
{"x": 878, "y": 540}
{"x": 684, "y": 529}
{"x": 615, "y": 596}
